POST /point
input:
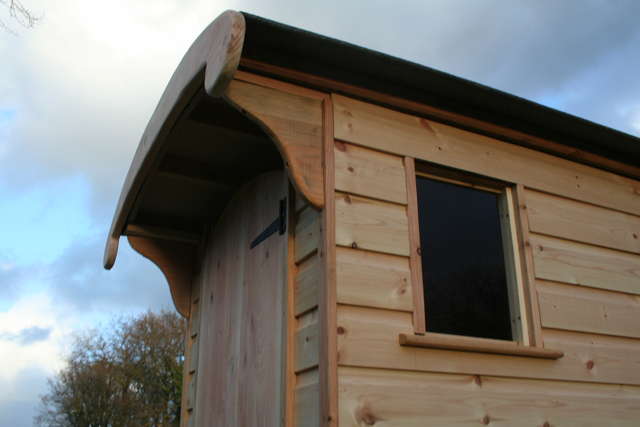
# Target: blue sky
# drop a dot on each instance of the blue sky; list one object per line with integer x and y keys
{"x": 77, "y": 90}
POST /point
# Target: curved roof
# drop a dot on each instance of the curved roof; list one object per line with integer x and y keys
{"x": 190, "y": 114}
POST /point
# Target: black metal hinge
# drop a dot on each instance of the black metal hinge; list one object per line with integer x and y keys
{"x": 279, "y": 225}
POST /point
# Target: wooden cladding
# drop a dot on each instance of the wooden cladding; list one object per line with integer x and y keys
{"x": 370, "y": 224}
{"x": 583, "y": 222}
{"x": 295, "y": 124}
{"x": 370, "y": 173}
{"x": 405, "y": 135}
{"x": 369, "y": 338}
{"x": 576, "y": 263}
{"x": 373, "y": 279}
{"x": 403, "y": 399}
{"x": 578, "y": 252}
{"x": 577, "y": 308}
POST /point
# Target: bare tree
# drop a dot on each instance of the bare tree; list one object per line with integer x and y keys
{"x": 128, "y": 375}
{"x": 19, "y": 13}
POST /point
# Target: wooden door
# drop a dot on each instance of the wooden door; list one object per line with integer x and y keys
{"x": 243, "y": 291}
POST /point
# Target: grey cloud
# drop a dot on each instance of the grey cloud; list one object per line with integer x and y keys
{"x": 28, "y": 336}
{"x": 534, "y": 49}
{"x": 135, "y": 283}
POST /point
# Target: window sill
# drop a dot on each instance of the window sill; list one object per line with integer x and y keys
{"x": 476, "y": 345}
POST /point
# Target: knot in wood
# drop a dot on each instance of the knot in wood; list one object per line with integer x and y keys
{"x": 364, "y": 415}
{"x": 341, "y": 330}
{"x": 590, "y": 364}
{"x": 485, "y": 420}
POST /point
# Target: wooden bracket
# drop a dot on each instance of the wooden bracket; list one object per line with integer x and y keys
{"x": 294, "y": 124}
{"x": 176, "y": 260}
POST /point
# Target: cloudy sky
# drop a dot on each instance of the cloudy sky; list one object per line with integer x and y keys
{"x": 77, "y": 90}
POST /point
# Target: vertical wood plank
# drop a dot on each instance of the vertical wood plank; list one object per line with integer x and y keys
{"x": 290, "y": 324}
{"x": 529, "y": 284}
{"x": 415, "y": 258}
{"x": 511, "y": 250}
{"x": 328, "y": 365}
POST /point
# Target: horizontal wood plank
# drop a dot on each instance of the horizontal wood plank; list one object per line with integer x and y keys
{"x": 560, "y": 217}
{"x": 307, "y": 406}
{"x": 307, "y": 348}
{"x": 576, "y": 308}
{"x": 369, "y": 173}
{"x": 307, "y": 233}
{"x": 370, "y": 224}
{"x": 372, "y": 279}
{"x": 369, "y": 338}
{"x": 402, "y": 134}
{"x": 579, "y": 264}
{"x": 477, "y": 345}
{"x": 404, "y": 399}
{"x": 306, "y": 285}
{"x": 599, "y": 356}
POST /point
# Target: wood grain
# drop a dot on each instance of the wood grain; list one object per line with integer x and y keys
{"x": 403, "y": 399}
{"x": 398, "y": 133}
{"x": 531, "y": 328}
{"x": 600, "y": 357}
{"x": 307, "y": 285}
{"x": 328, "y": 365}
{"x": 307, "y": 347}
{"x": 576, "y": 308}
{"x": 483, "y": 127}
{"x": 570, "y": 262}
{"x": 243, "y": 304}
{"x": 307, "y": 412}
{"x": 307, "y": 233}
{"x": 370, "y": 224}
{"x": 294, "y": 123}
{"x": 372, "y": 279}
{"x": 369, "y": 173}
{"x": 369, "y": 338}
{"x": 415, "y": 255}
{"x": 560, "y": 217}
{"x": 476, "y": 345}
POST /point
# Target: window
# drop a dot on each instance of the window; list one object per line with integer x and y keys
{"x": 467, "y": 237}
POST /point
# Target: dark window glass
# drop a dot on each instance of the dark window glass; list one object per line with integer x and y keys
{"x": 463, "y": 268}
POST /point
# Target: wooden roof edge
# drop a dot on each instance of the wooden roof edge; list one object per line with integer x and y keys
{"x": 212, "y": 59}
{"x": 324, "y": 63}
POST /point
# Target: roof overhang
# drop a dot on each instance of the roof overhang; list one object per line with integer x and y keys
{"x": 212, "y": 59}
{"x": 236, "y": 40}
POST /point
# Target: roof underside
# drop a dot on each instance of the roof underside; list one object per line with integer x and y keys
{"x": 288, "y": 47}
{"x": 210, "y": 153}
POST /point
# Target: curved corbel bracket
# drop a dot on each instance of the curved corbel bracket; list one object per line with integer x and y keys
{"x": 216, "y": 53}
{"x": 176, "y": 261}
{"x": 294, "y": 123}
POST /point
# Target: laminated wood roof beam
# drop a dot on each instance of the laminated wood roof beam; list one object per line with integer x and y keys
{"x": 212, "y": 59}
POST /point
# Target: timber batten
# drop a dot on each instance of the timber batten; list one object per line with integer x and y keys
{"x": 324, "y": 323}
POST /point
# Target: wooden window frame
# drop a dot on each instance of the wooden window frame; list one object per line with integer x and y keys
{"x": 518, "y": 263}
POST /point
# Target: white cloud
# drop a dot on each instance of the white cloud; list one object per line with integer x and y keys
{"x": 44, "y": 356}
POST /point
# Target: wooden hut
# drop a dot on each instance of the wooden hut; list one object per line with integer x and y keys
{"x": 358, "y": 240}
